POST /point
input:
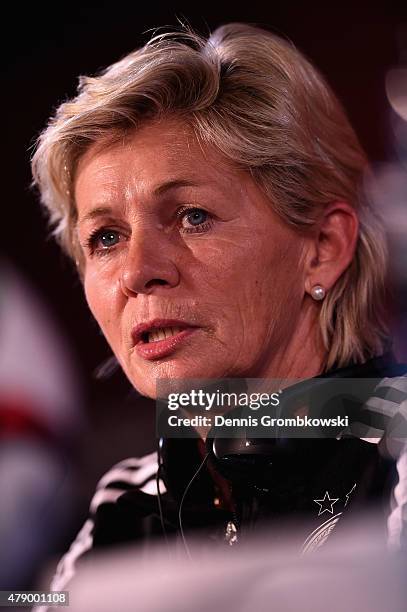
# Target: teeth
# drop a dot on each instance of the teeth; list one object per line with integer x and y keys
{"x": 162, "y": 333}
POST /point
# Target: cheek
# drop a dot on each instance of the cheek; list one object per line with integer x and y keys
{"x": 250, "y": 282}
{"x": 269, "y": 290}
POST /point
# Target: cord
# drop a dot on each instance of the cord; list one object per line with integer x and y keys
{"x": 157, "y": 482}
{"x": 182, "y": 502}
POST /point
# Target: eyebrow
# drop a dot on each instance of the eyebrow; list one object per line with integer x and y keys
{"x": 173, "y": 184}
{"x": 101, "y": 211}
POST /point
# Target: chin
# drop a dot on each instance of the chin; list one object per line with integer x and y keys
{"x": 146, "y": 382}
{"x": 146, "y": 390}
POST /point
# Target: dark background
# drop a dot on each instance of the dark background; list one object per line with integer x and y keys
{"x": 49, "y": 45}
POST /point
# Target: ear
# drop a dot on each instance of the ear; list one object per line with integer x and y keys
{"x": 332, "y": 247}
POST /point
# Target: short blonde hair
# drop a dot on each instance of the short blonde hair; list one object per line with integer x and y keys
{"x": 255, "y": 98}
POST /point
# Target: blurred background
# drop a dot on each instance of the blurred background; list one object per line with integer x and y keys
{"x": 61, "y": 426}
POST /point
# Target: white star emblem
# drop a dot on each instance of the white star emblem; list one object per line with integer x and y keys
{"x": 326, "y": 504}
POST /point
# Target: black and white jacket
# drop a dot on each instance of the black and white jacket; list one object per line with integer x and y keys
{"x": 126, "y": 508}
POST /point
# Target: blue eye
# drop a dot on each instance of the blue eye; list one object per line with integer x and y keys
{"x": 108, "y": 238}
{"x": 195, "y": 220}
{"x": 196, "y": 217}
{"x": 102, "y": 240}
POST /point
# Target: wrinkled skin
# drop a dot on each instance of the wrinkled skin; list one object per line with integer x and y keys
{"x": 241, "y": 276}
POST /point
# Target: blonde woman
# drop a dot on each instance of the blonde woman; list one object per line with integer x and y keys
{"x": 209, "y": 193}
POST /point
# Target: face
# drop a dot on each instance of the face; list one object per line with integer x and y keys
{"x": 188, "y": 271}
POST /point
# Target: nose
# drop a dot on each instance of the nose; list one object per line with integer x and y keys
{"x": 148, "y": 266}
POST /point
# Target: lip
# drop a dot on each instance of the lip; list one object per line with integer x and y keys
{"x": 161, "y": 348}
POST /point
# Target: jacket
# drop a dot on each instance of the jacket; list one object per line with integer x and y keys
{"x": 321, "y": 483}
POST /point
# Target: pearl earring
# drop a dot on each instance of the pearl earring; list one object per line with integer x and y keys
{"x": 318, "y": 293}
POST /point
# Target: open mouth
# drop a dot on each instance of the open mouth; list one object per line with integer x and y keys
{"x": 161, "y": 333}
{"x": 160, "y": 338}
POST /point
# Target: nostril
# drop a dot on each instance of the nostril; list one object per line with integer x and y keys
{"x": 155, "y": 281}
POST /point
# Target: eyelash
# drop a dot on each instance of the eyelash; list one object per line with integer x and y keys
{"x": 203, "y": 227}
{"x": 92, "y": 240}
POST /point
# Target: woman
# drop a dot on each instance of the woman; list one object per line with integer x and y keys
{"x": 209, "y": 193}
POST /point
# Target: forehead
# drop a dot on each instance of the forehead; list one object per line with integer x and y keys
{"x": 145, "y": 158}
